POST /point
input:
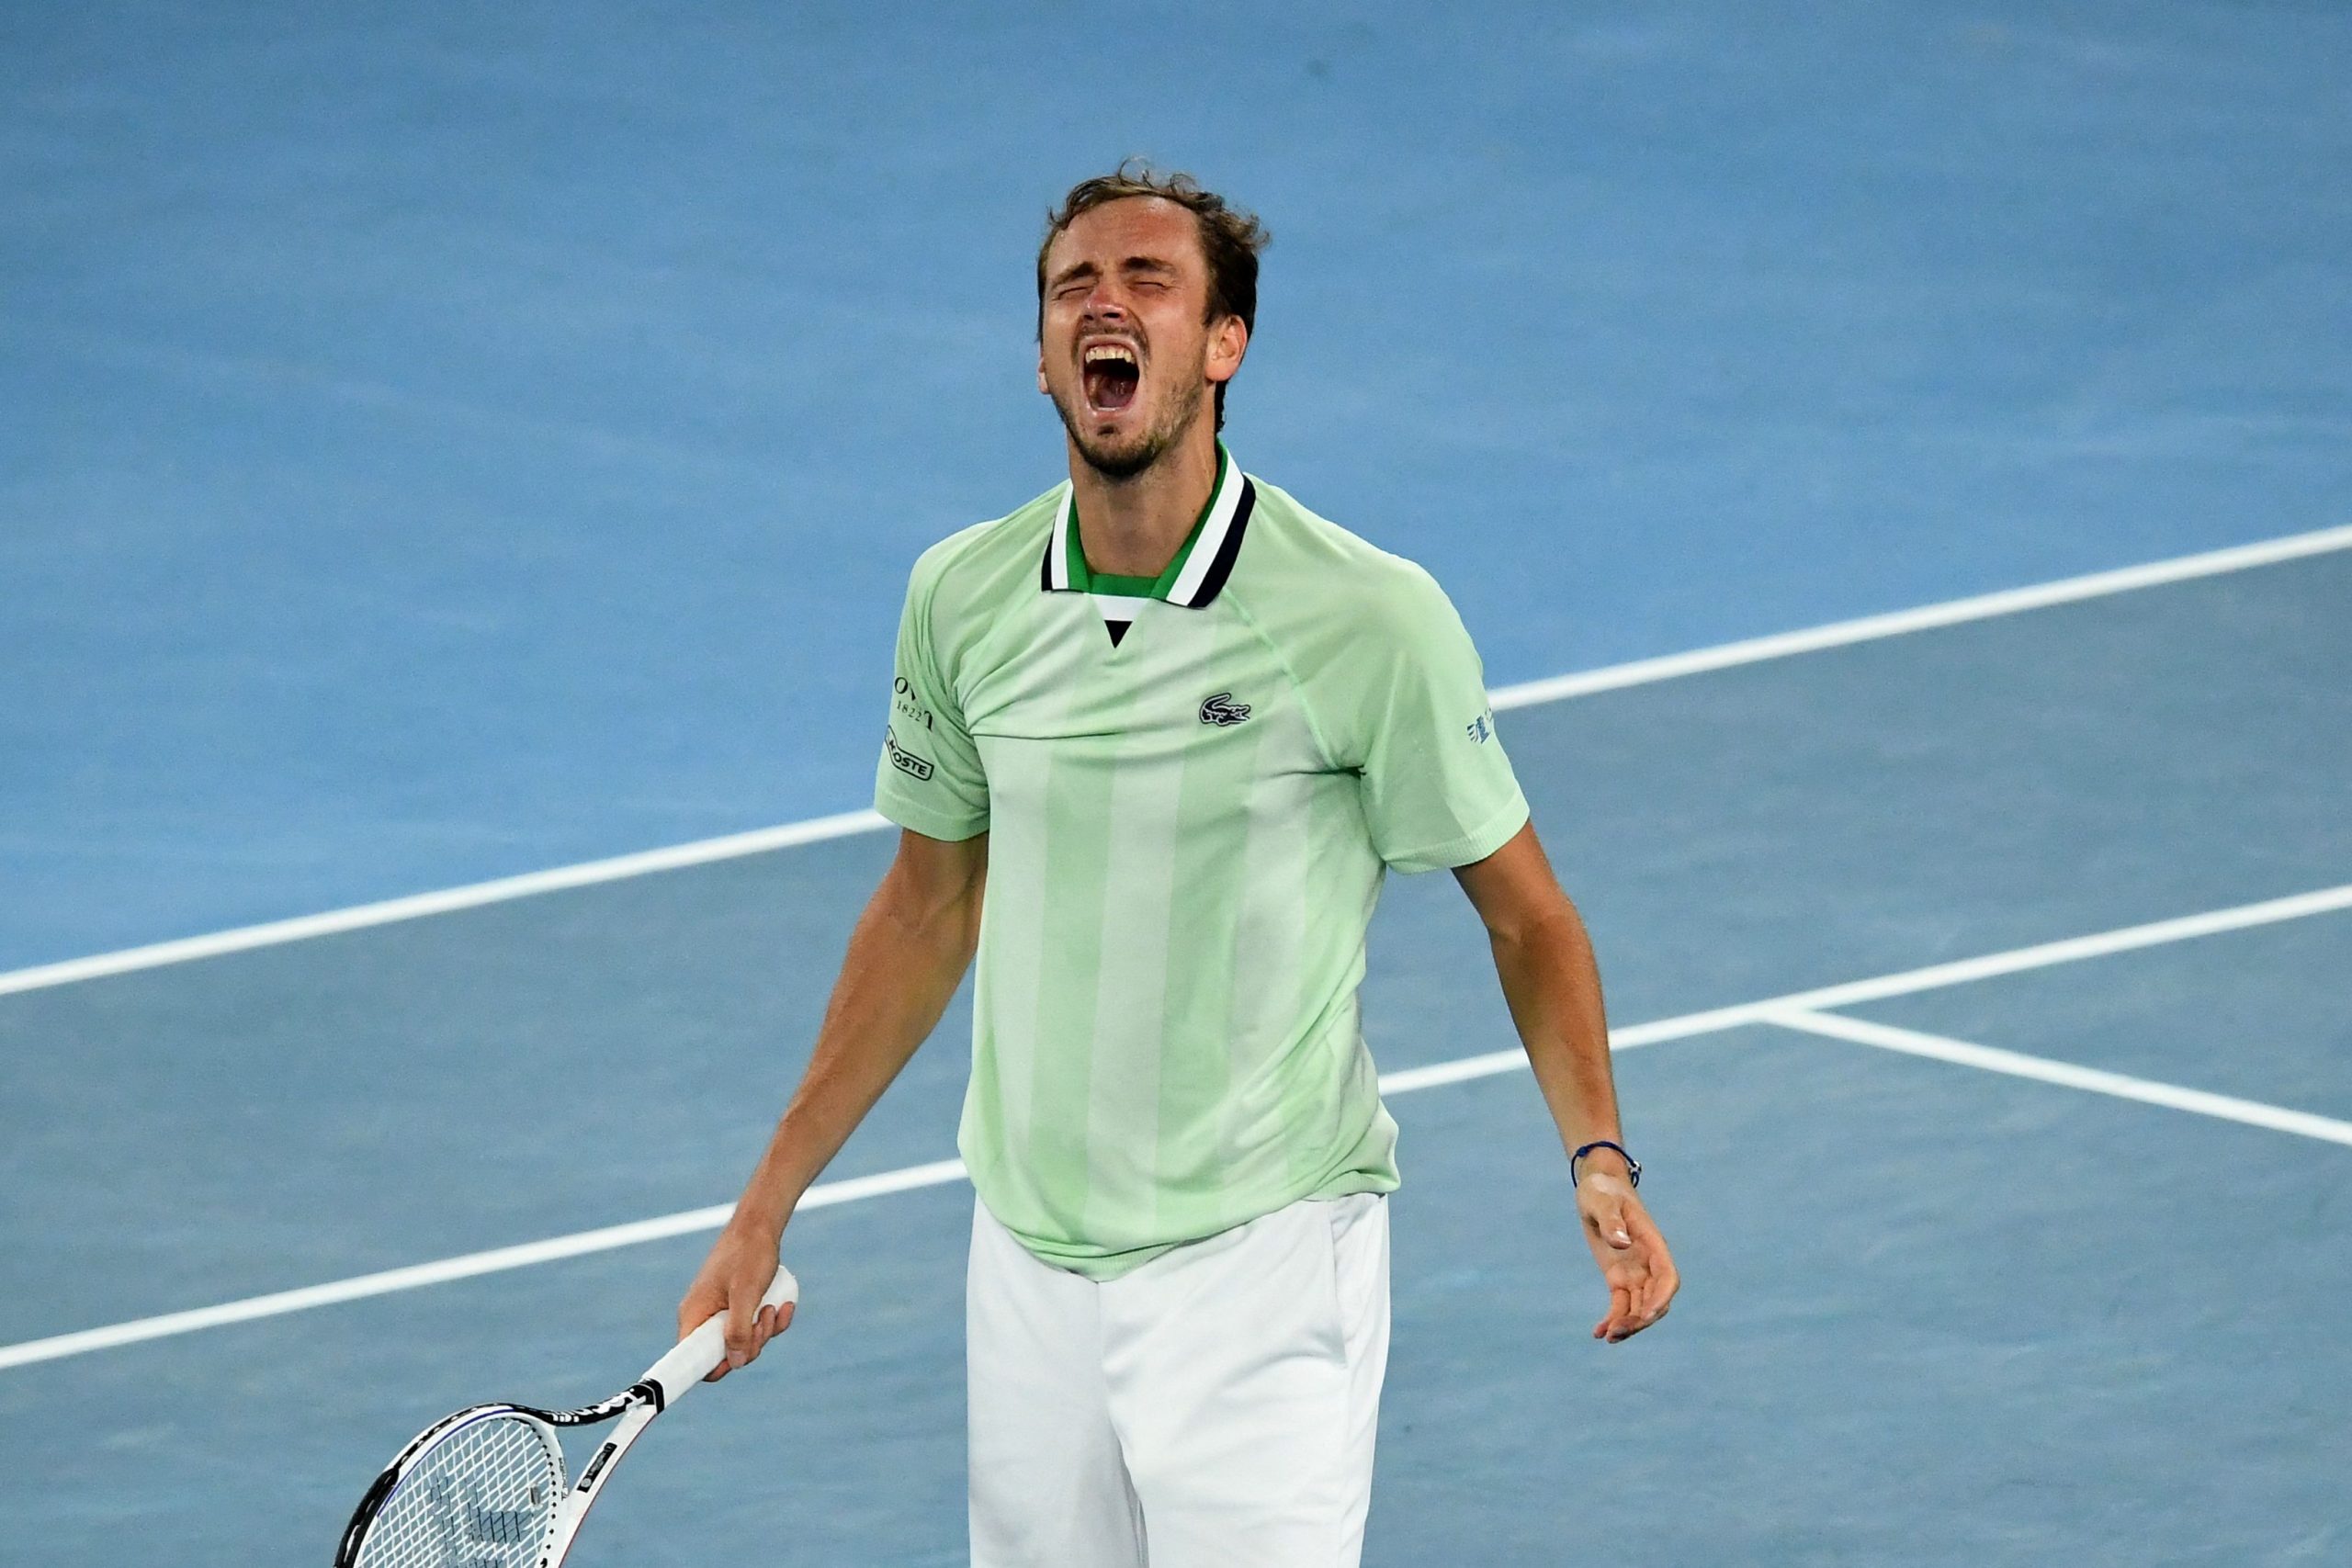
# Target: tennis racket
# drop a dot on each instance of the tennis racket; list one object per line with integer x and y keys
{"x": 485, "y": 1487}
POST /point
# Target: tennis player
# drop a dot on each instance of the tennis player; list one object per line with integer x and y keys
{"x": 1176, "y": 727}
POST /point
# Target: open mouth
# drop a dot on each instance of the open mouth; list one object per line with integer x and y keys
{"x": 1112, "y": 374}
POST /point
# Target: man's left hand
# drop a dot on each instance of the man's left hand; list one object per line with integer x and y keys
{"x": 1632, "y": 1254}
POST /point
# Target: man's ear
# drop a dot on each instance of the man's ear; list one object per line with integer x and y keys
{"x": 1229, "y": 343}
{"x": 1041, "y": 369}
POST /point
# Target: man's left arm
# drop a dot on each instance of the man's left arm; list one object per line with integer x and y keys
{"x": 1544, "y": 961}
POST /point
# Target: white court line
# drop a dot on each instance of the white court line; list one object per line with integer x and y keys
{"x": 416, "y": 905}
{"x": 2072, "y": 950}
{"x": 1529, "y": 694}
{"x": 497, "y": 1260}
{"x": 1404, "y": 1081}
{"x": 1985, "y": 606}
{"x": 2148, "y": 1091}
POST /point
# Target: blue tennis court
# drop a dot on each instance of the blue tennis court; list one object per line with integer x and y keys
{"x": 452, "y": 446}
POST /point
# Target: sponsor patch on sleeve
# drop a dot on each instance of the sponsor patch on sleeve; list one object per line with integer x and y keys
{"x": 904, "y": 761}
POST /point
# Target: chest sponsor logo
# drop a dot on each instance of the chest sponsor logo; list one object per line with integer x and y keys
{"x": 905, "y": 761}
{"x": 1222, "y": 710}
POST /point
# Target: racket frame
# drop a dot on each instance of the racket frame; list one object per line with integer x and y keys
{"x": 663, "y": 1384}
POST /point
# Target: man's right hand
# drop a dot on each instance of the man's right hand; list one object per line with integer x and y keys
{"x": 732, "y": 1280}
{"x": 911, "y": 947}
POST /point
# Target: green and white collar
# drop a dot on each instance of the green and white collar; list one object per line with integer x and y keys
{"x": 1189, "y": 581}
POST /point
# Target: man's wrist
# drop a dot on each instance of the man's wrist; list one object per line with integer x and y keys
{"x": 1603, "y": 1157}
{"x": 763, "y": 1224}
{"x": 767, "y": 1205}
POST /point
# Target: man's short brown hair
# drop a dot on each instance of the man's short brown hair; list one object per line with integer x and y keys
{"x": 1231, "y": 239}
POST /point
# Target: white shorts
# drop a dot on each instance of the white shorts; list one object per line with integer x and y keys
{"x": 1214, "y": 1408}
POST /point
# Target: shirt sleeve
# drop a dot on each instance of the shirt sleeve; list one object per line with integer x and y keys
{"x": 1438, "y": 789}
{"x": 929, "y": 776}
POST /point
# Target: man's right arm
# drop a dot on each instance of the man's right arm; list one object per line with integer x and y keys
{"x": 905, "y": 959}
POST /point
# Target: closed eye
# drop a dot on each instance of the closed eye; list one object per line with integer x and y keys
{"x": 1075, "y": 280}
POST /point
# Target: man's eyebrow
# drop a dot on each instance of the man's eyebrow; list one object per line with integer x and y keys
{"x": 1077, "y": 270}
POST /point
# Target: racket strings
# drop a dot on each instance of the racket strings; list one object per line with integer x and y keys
{"x": 481, "y": 1497}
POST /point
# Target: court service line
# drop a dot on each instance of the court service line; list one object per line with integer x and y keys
{"x": 1778, "y": 1010}
{"x": 496, "y": 1260}
{"x": 2072, "y": 950}
{"x": 2016, "y": 1064}
{"x": 1752, "y": 650}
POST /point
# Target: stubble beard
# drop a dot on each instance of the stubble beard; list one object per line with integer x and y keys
{"x": 1120, "y": 461}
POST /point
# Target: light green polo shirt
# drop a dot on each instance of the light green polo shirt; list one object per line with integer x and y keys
{"x": 1193, "y": 786}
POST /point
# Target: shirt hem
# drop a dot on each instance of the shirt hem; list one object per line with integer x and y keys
{"x": 929, "y": 824}
{"x": 1470, "y": 848}
{"x": 1104, "y": 1267}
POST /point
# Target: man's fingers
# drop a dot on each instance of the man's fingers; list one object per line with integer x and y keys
{"x": 743, "y": 1327}
{"x": 695, "y": 1307}
{"x": 1645, "y": 1294}
{"x": 1621, "y": 1312}
{"x": 1665, "y": 1278}
{"x": 1635, "y": 1307}
{"x": 1657, "y": 1288}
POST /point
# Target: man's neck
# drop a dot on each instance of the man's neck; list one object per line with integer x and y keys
{"x": 1133, "y": 527}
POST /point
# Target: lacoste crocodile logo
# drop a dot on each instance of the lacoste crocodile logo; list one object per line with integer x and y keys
{"x": 1222, "y": 710}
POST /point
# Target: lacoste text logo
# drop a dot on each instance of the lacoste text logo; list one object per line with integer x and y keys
{"x": 905, "y": 761}
{"x": 1222, "y": 710}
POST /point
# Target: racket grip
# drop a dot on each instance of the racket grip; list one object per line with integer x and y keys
{"x": 697, "y": 1356}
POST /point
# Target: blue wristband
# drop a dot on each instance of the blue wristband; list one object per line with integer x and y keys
{"x": 1633, "y": 1166}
